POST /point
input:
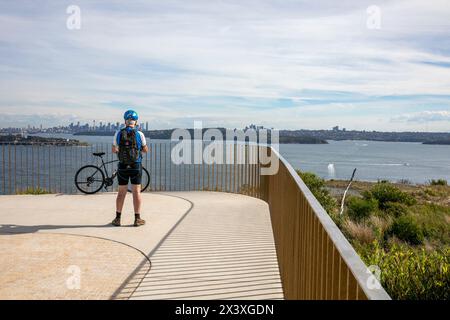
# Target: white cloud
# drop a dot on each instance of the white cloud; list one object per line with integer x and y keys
{"x": 424, "y": 116}
{"x": 155, "y": 54}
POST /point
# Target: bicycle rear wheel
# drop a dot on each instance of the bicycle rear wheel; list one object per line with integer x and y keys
{"x": 145, "y": 179}
{"x": 89, "y": 179}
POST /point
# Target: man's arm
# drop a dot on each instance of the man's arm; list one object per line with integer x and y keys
{"x": 115, "y": 147}
{"x": 144, "y": 148}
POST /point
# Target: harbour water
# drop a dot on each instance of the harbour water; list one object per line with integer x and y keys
{"x": 374, "y": 160}
{"x": 54, "y": 167}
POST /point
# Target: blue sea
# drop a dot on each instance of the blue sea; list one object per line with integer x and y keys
{"x": 374, "y": 160}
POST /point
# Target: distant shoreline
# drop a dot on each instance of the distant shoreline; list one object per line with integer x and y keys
{"x": 317, "y": 136}
{"x": 41, "y": 141}
{"x": 167, "y": 134}
{"x": 296, "y": 136}
{"x": 438, "y": 142}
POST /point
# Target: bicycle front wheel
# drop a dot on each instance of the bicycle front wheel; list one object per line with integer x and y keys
{"x": 89, "y": 179}
{"x": 145, "y": 181}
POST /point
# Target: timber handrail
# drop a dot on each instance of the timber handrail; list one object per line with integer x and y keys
{"x": 316, "y": 260}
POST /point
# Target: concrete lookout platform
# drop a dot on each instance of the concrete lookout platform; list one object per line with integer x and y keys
{"x": 195, "y": 245}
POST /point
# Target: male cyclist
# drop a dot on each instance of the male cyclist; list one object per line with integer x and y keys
{"x": 129, "y": 143}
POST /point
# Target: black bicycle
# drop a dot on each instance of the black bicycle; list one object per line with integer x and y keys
{"x": 91, "y": 179}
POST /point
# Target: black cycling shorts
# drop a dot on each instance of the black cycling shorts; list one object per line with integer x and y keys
{"x": 132, "y": 173}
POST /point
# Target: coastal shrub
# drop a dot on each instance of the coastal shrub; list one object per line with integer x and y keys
{"x": 386, "y": 192}
{"x": 411, "y": 274}
{"x": 438, "y": 182}
{"x": 410, "y": 243}
{"x": 434, "y": 220}
{"x": 396, "y": 209}
{"x": 407, "y": 229}
{"x": 430, "y": 192}
{"x": 34, "y": 191}
{"x": 319, "y": 190}
{"x": 360, "y": 208}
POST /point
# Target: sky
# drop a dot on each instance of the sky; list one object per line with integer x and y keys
{"x": 363, "y": 65}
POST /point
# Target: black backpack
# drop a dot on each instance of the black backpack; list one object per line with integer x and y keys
{"x": 128, "y": 149}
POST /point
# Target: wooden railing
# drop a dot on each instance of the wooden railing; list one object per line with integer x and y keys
{"x": 52, "y": 168}
{"x": 315, "y": 259}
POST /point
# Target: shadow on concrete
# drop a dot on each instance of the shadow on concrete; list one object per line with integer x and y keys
{"x": 19, "y": 229}
{"x": 223, "y": 254}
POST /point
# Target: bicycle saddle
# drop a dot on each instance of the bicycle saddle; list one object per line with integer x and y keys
{"x": 98, "y": 154}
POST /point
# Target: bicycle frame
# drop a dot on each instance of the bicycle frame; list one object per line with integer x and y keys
{"x": 104, "y": 166}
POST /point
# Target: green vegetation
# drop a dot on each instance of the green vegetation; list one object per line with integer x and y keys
{"x": 407, "y": 229}
{"x": 385, "y": 193}
{"x": 359, "y": 209}
{"x": 401, "y": 228}
{"x": 411, "y": 274}
{"x": 301, "y": 140}
{"x": 438, "y": 182}
{"x": 245, "y": 189}
{"x": 34, "y": 191}
{"x": 317, "y": 187}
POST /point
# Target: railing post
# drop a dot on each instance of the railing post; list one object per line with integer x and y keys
{"x": 264, "y": 179}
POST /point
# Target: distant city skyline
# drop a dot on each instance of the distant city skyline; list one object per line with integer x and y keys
{"x": 283, "y": 64}
{"x": 97, "y": 125}
{"x": 109, "y": 126}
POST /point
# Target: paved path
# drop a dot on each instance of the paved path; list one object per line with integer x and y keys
{"x": 202, "y": 245}
{"x": 223, "y": 249}
{"x": 59, "y": 266}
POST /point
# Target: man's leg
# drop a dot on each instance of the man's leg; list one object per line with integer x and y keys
{"x": 137, "y": 200}
{"x": 121, "y": 197}
{"x": 121, "y": 194}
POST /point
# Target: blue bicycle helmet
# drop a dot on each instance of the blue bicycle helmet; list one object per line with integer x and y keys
{"x": 130, "y": 114}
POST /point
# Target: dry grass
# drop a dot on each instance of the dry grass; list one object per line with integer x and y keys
{"x": 380, "y": 223}
{"x": 359, "y": 231}
{"x": 447, "y": 219}
{"x": 360, "y": 186}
